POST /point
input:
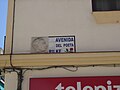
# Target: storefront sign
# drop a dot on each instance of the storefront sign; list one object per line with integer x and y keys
{"x": 76, "y": 83}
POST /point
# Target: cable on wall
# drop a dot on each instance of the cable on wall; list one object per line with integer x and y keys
{"x": 12, "y": 36}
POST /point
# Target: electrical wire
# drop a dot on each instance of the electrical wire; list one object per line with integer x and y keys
{"x": 76, "y": 68}
{"x": 12, "y": 36}
{"x": 49, "y": 67}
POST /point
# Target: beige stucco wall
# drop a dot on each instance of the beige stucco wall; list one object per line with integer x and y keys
{"x": 11, "y": 81}
{"x": 36, "y": 18}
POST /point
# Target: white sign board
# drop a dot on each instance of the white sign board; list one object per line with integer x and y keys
{"x": 61, "y": 44}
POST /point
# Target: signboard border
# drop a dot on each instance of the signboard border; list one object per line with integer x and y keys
{"x": 118, "y": 76}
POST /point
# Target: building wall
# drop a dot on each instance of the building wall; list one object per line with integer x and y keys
{"x": 36, "y": 18}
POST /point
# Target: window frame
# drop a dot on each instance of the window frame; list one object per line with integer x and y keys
{"x": 107, "y": 5}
